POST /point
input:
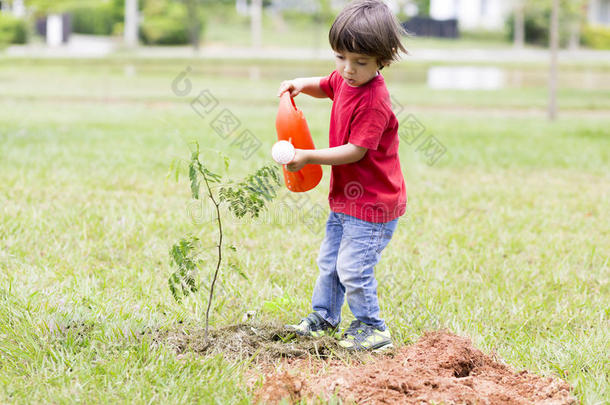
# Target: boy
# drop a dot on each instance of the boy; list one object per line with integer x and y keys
{"x": 367, "y": 189}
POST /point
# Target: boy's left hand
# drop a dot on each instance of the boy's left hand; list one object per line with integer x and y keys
{"x": 300, "y": 160}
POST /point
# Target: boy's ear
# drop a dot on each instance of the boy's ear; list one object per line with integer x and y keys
{"x": 383, "y": 64}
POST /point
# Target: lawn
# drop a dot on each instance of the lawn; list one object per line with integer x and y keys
{"x": 506, "y": 237}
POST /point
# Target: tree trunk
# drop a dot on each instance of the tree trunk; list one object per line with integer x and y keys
{"x": 554, "y": 37}
{"x": 519, "y": 28}
{"x": 131, "y": 23}
{"x": 194, "y": 23}
{"x": 574, "y": 35}
{"x": 256, "y": 20}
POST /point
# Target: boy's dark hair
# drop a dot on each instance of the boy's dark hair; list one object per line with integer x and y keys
{"x": 370, "y": 28}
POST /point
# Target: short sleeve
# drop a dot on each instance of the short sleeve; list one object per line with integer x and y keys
{"x": 327, "y": 84}
{"x": 367, "y": 127}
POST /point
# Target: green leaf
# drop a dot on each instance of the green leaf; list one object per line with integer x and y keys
{"x": 174, "y": 169}
{"x": 194, "y": 181}
{"x": 248, "y": 196}
{"x": 183, "y": 279}
{"x": 195, "y": 150}
{"x": 211, "y": 176}
{"x": 173, "y": 282}
{"x": 225, "y": 159}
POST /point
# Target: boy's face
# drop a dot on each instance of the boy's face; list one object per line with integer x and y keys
{"x": 356, "y": 68}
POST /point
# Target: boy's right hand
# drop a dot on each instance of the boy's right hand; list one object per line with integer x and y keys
{"x": 293, "y": 86}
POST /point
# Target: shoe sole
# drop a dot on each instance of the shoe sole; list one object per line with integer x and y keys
{"x": 315, "y": 334}
{"x": 384, "y": 348}
{"x": 378, "y": 348}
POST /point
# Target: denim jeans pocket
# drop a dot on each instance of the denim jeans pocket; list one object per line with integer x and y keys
{"x": 371, "y": 235}
{"x": 360, "y": 231}
{"x": 385, "y": 235}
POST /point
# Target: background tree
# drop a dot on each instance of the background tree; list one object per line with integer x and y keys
{"x": 256, "y": 21}
{"x": 168, "y": 22}
{"x": 536, "y": 16}
{"x": 131, "y": 23}
{"x": 519, "y": 23}
{"x": 554, "y": 45}
{"x": 194, "y": 21}
{"x": 423, "y": 7}
{"x": 58, "y": 6}
{"x": 576, "y": 14}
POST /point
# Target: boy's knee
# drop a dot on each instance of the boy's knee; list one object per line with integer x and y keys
{"x": 326, "y": 264}
{"x": 349, "y": 276}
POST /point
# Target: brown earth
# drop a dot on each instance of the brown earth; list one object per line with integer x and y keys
{"x": 264, "y": 344}
{"x": 440, "y": 368}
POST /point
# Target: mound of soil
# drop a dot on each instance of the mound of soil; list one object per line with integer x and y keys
{"x": 440, "y": 368}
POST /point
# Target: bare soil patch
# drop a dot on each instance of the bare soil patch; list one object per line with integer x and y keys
{"x": 440, "y": 368}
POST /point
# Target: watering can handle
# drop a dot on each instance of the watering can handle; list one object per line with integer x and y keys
{"x": 290, "y": 123}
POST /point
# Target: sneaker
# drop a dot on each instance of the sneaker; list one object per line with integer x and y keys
{"x": 313, "y": 325}
{"x": 360, "y": 336}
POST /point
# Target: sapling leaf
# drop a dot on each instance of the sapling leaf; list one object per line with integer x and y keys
{"x": 249, "y": 195}
{"x": 194, "y": 181}
{"x": 182, "y": 254}
{"x": 225, "y": 160}
{"x": 213, "y": 177}
{"x": 195, "y": 153}
{"x": 173, "y": 281}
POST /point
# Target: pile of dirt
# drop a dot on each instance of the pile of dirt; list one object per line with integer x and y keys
{"x": 262, "y": 343}
{"x": 439, "y": 368}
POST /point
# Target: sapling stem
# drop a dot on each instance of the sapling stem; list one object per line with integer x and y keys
{"x": 218, "y": 262}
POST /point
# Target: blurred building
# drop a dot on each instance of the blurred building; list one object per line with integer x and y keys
{"x": 599, "y": 12}
{"x": 472, "y": 14}
{"x": 17, "y": 8}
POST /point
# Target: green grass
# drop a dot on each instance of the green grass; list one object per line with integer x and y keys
{"x": 505, "y": 240}
{"x": 582, "y": 88}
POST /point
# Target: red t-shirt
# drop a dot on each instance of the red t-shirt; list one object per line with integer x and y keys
{"x": 372, "y": 189}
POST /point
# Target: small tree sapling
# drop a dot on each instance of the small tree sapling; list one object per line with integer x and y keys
{"x": 244, "y": 198}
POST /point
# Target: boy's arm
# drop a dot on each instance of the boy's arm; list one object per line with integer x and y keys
{"x": 339, "y": 155}
{"x": 307, "y": 85}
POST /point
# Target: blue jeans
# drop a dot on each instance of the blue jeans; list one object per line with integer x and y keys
{"x": 348, "y": 255}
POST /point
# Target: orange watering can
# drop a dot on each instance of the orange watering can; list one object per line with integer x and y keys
{"x": 291, "y": 126}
